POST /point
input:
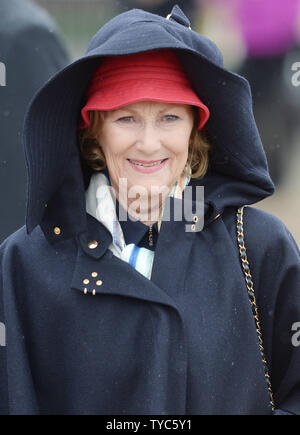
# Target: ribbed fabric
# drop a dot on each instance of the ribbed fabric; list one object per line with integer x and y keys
{"x": 156, "y": 75}
{"x": 100, "y": 204}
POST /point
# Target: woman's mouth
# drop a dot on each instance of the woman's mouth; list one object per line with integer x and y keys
{"x": 147, "y": 166}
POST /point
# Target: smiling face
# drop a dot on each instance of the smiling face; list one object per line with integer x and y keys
{"x": 146, "y": 143}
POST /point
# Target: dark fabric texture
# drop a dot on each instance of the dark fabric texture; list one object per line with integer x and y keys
{"x": 88, "y": 334}
{"x": 136, "y": 232}
{"x": 32, "y": 51}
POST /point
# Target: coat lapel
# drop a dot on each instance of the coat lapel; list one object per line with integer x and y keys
{"x": 98, "y": 271}
{"x": 171, "y": 259}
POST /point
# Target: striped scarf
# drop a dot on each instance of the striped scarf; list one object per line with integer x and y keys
{"x": 100, "y": 204}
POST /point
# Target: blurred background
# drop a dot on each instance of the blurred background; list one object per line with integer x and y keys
{"x": 260, "y": 39}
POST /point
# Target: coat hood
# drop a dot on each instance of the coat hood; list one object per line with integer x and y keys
{"x": 57, "y": 177}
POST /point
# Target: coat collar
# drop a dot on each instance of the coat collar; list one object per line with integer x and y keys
{"x": 65, "y": 217}
{"x": 96, "y": 266}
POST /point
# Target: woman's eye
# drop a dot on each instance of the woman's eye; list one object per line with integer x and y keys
{"x": 126, "y": 119}
{"x": 170, "y": 118}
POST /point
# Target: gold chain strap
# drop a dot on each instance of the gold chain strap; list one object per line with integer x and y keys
{"x": 249, "y": 284}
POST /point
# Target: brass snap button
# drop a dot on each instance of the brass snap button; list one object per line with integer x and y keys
{"x": 99, "y": 282}
{"x": 57, "y": 231}
{"x": 94, "y": 274}
{"x": 86, "y": 281}
{"x": 93, "y": 244}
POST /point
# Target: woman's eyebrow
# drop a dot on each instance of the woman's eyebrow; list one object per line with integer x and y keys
{"x": 124, "y": 109}
{"x": 136, "y": 111}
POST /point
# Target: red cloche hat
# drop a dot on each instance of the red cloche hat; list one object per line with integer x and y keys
{"x": 155, "y": 75}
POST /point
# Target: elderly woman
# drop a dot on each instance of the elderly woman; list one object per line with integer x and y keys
{"x": 129, "y": 291}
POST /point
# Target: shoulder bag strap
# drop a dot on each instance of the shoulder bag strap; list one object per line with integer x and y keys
{"x": 249, "y": 284}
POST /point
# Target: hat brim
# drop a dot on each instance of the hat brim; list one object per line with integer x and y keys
{"x": 144, "y": 90}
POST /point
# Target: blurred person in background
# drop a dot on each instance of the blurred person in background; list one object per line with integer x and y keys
{"x": 270, "y": 34}
{"x": 268, "y": 47}
{"x": 32, "y": 51}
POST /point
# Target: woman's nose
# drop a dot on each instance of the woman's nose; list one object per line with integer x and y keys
{"x": 149, "y": 139}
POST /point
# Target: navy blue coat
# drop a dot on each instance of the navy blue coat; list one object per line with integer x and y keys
{"x": 185, "y": 341}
